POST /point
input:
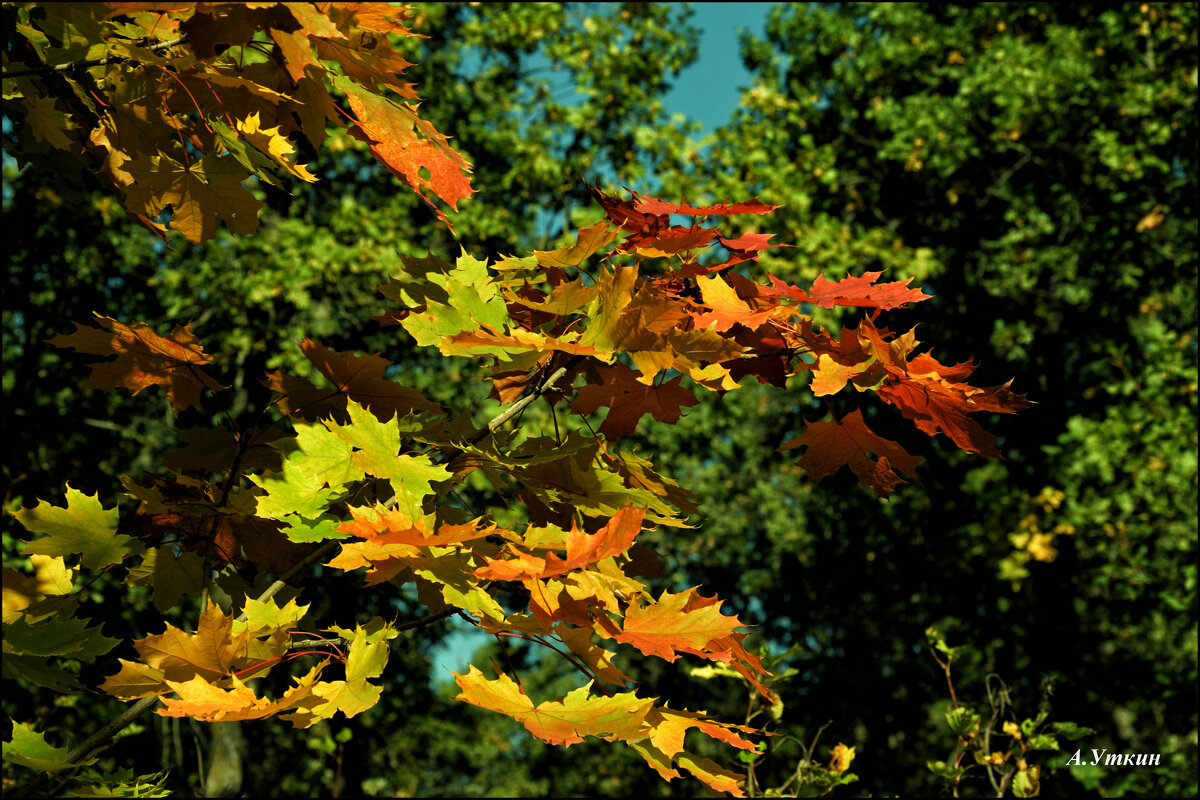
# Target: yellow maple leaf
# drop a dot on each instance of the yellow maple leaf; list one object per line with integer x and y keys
{"x": 273, "y": 144}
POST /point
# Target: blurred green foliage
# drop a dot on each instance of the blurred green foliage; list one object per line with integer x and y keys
{"x": 1033, "y": 165}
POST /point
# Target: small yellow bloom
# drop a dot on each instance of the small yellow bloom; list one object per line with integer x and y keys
{"x": 840, "y": 758}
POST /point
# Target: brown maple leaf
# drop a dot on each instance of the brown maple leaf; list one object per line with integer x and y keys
{"x": 143, "y": 358}
{"x": 197, "y": 193}
{"x": 849, "y": 442}
{"x": 361, "y": 378}
{"x": 628, "y": 399}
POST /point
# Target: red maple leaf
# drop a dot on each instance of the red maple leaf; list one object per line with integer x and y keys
{"x": 648, "y": 220}
{"x": 650, "y": 205}
{"x": 626, "y": 216}
{"x": 668, "y": 241}
{"x": 934, "y": 395}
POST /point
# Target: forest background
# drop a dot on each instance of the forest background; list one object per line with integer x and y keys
{"x": 1033, "y": 166}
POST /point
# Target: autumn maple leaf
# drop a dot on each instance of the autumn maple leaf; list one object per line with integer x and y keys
{"x": 562, "y": 722}
{"x": 582, "y": 549}
{"x": 143, "y": 358}
{"x": 849, "y": 442}
{"x": 362, "y": 379}
{"x": 197, "y": 193}
{"x": 935, "y": 396}
{"x": 728, "y": 308}
{"x": 676, "y": 623}
{"x": 851, "y": 291}
{"x": 650, "y": 205}
{"x": 390, "y": 129}
{"x": 628, "y": 399}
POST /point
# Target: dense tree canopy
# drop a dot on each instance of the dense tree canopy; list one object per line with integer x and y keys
{"x": 1032, "y": 166}
{"x": 1035, "y": 167}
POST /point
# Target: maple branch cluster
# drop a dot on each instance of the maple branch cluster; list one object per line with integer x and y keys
{"x": 633, "y": 319}
{"x": 189, "y": 101}
{"x": 604, "y": 336}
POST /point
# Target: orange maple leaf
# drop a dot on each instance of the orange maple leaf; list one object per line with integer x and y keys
{"x": 669, "y": 727}
{"x": 390, "y": 130}
{"x": 206, "y": 702}
{"x": 851, "y": 291}
{"x": 213, "y": 652}
{"x": 934, "y": 395}
{"x": 582, "y": 549}
{"x": 143, "y": 358}
{"x": 728, "y": 307}
{"x": 675, "y": 623}
{"x": 386, "y": 526}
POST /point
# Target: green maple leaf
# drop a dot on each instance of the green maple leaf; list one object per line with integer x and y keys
{"x": 376, "y": 443}
{"x": 37, "y": 670}
{"x": 326, "y": 455}
{"x": 294, "y": 491}
{"x": 47, "y": 122}
{"x": 267, "y": 616}
{"x": 377, "y": 453}
{"x": 84, "y": 527}
{"x": 312, "y": 530}
{"x": 56, "y": 637}
{"x": 451, "y": 572}
{"x": 171, "y": 576}
{"x": 30, "y": 749}
{"x": 462, "y": 298}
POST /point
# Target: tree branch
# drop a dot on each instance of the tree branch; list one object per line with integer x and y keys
{"x": 520, "y": 405}
{"x": 429, "y": 619}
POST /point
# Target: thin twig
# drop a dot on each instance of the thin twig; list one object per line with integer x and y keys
{"x": 278, "y": 585}
{"x": 513, "y": 410}
{"x": 337, "y": 641}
